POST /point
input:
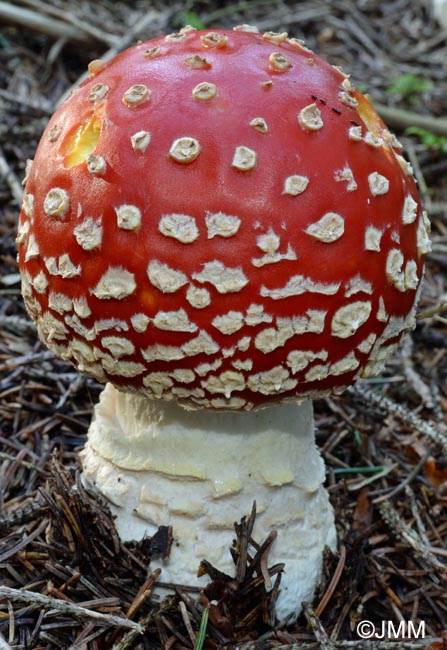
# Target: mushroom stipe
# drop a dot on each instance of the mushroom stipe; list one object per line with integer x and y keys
{"x": 220, "y": 227}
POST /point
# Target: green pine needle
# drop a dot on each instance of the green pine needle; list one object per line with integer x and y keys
{"x": 202, "y": 630}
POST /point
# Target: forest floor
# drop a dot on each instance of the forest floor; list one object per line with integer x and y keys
{"x": 66, "y": 580}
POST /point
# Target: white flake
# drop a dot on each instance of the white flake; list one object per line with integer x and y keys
{"x": 128, "y": 217}
{"x": 116, "y": 283}
{"x": 256, "y": 315}
{"x": 28, "y": 204}
{"x": 225, "y": 383}
{"x": 110, "y": 324}
{"x": 394, "y": 270}
{"x": 158, "y": 382}
{"x": 79, "y": 328}
{"x": 409, "y": 212}
{"x": 373, "y": 237}
{"x": 81, "y": 308}
{"x": 423, "y": 239}
{"x": 120, "y": 368}
{"x": 411, "y": 277}
{"x": 297, "y": 285}
{"x": 118, "y": 345}
{"x": 204, "y": 368}
{"x": 164, "y": 278}
{"x": 140, "y": 322}
{"x": 356, "y": 285}
{"x": 298, "y": 360}
{"x": 349, "y": 363}
{"x": 310, "y": 118}
{"x": 201, "y": 344}
{"x": 328, "y": 229}
{"x": 269, "y": 243}
{"x": 382, "y": 315}
{"x": 183, "y": 375}
{"x": 225, "y": 279}
{"x": 33, "y": 249}
{"x": 198, "y": 297}
{"x": 66, "y": 267}
{"x": 222, "y": 225}
{"x": 295, "y": 184}
{"x": 244, "y": 159}
{"x": 59, "y": 302}
{"x": 355, "y": 133}
{"x": 40, "y": 282}
{"x": 174, "y": 321}
{"x": 318, "y": 372}
{"x": 140, "y": 140}
{"x": 242, "y": 364}
{"x": 229, "y": 323}
{"x": 273, "y": 381}
{"x": 373, "y": 140}
{"x": 51, "y": 328}
{"x": 22, "y": 232}
{"x": 349, "y": 318}
{"x": 179, "y": 226}
{"x": 56, "y": 203}
{"x": 365, "y": 346}
{"x": 184, "y": 150}
{"x": 378, "y": 184}
{"x": 89, "y": 233}
{"x": 271, "y": 338}
{"x": 347, "y": 176}
{"x": 160, "y": 352}
{"x": 259, "y": 124}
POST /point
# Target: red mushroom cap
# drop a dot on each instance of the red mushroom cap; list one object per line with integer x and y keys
{"x": 222, "y": 219}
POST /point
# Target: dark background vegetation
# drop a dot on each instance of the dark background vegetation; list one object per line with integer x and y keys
{"x": 384, "y": 442}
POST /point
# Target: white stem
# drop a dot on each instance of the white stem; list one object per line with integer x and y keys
{"x": 200, "y": 471}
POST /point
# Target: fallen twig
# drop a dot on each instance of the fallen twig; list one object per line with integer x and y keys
{"x": 67, "y": 17}
{"x": 403, "y": 119}
{"x": 16, "y": 324}
{"x": 433, "y": 311}
{"x": 131, "y": 636}
{"x": 39, "y": 600}
{"x": 24, "y": 102}
{"x": 143, "y": 594}
{"x": 361, "y": 644}
{"x": 3, "y": 644}
{"x": 23, "y": 543}
{"x": 412, "y": 376}
{"x": 10, "y": 177}
{"x": 361, "y": 390}
{"x": 410, "y": 536}
{"x": 333, "y": 584}
{"x": 324, "y": 641}
{"x": 37, "y": 21}
{"x": 407, "y": 480}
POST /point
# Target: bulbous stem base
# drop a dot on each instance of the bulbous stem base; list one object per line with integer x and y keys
{"x": 200, "y": 471}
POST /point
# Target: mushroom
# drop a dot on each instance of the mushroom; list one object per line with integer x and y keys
{"x": 220, "y": 226}
{"x": 439, "y": 10}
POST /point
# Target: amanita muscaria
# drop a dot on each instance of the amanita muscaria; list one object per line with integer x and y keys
{"x": 216, "y": 222}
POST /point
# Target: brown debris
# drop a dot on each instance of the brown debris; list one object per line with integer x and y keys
{"x": 243, "y": 605}
{"x": 384, "y": 442}
{"x": 159, "y": 544}
{"x": 73, "y": 562}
